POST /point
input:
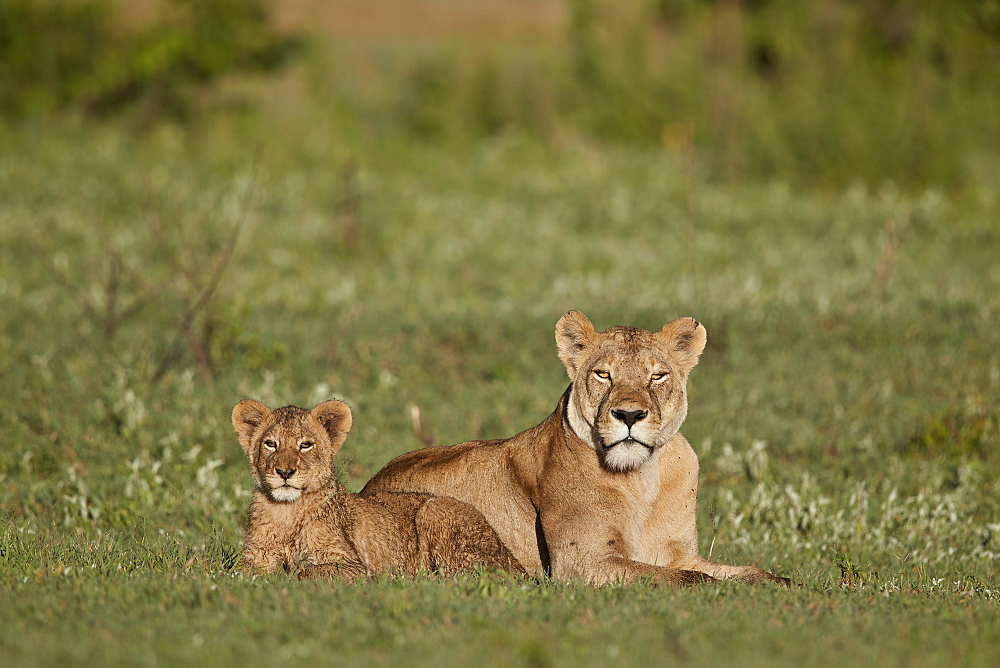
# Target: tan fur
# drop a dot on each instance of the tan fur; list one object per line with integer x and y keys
{"x": 302, "y": 519}
{"x": 586, "y": 494}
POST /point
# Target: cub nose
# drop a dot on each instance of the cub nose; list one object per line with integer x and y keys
{"x": 629, "y": 417}
{"x": 285, "y": 473}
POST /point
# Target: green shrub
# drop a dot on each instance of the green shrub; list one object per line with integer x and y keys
{"x": 49, "y": 52}
{"x": 834, "y": 92}
{"x": 56, "y": 55}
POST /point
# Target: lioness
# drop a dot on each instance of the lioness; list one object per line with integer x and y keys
{"x": 605, "y": 488}
{"x": 303, "y": 519}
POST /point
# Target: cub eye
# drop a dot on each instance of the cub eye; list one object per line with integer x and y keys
{"x": 306, "y": 445}
{"x": 271, "y": 444}
{"x": 659, "y": 377}
{"x": 603, "y": 375}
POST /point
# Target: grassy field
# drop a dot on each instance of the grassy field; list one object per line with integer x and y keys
{"x": 845, "y": 409}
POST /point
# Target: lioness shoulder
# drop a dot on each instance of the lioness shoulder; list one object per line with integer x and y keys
{"x": 302, "y": 519}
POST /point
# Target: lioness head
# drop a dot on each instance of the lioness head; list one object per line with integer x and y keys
{"x": 291, "y": 449}
{"x": 629, "y": 391}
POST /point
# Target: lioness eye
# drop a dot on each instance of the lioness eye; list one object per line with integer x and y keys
{"x": 271, "y": 445}
{"x": 603, "y": 375}
{"x": 305, "y": 445}
{"x": 656, "y": 377}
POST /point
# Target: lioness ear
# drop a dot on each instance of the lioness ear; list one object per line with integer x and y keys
{"x": 247, "y": 417}
{"x": 686, "y": 338}
{"x": 573, "y": 332}
{"x": 335, "y": 418}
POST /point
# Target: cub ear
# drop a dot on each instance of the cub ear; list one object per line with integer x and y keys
{"x": 573, "y": 332}
{"x": 247, "y": 417}
{"x": 686, "y": 338}
{"x": 335, "y": 418}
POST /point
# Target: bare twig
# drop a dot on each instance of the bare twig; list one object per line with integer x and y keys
{"x": 693, "y": 212}
{"x": 348, "y": 206}
{"x": 426, "y": 437}
{"x": 114, "y": 311}
{"x": 183, "y": 330}
{"x": 887, "y": 258}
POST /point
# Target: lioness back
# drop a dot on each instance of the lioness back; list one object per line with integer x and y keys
{"x": 484, "y": 474}
{"x": 303, "y": 519}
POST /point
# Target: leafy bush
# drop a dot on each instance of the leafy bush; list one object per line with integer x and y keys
{"x": 55, "y": 55}
{"x": 50, "y": 51}
{"x": 833, "y": 91}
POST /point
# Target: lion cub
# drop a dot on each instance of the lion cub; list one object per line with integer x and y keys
{"x": 303, "y": 519}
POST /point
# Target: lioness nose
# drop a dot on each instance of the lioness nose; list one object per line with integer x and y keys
{"x": 285, "y": 473}
{"x": 629, "y": 417}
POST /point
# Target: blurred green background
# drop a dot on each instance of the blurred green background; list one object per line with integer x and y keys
{"x": 828, "y": 92}
{"x": 393, "y": 203}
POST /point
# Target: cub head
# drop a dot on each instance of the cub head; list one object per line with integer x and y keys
{"x": 291, "y": 449}
{"x": 629, "y": 391}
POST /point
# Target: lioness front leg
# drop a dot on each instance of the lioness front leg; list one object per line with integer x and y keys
{"x": 626, "y": 570}
{"x": 749, "y": 574}
{"x": 572, "y": 559}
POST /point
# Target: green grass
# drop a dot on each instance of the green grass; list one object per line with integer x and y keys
{"x": 845, "y": 409}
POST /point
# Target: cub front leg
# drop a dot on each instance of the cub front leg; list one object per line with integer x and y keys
{"x": 260, "y": 558}
{"x": 333, "y": 571}
{"x": 324, "y": 551}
